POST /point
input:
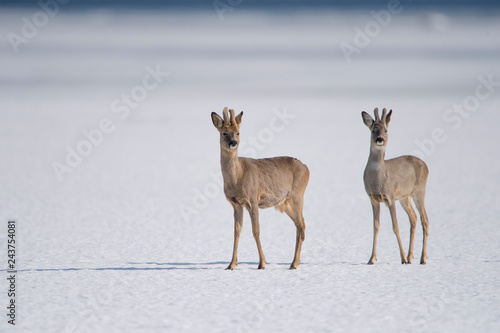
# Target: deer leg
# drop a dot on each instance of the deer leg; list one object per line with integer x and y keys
{"x": 254, "y": 215}
{"x": 238, "y": 224}
{"x": 376, "y": 225}
{"x": 406, "y": 203}
{"x": 395, "y": 228}
{"x": 419, "y": 202}
{"x": 294, "y": 210}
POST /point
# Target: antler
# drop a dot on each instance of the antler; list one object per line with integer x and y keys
{"x": 233, "y": 120}
{"x": 226, "y": 118}
{"x": 384, "y": 114}
{"x": 377, "y": 118}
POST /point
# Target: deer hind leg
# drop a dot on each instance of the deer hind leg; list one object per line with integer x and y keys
{"x": 376, "y": 225}
{"x": 419, "y": 199}
{"x": 254, "y": 216}
{"x": 395, "y": 228}
{"x": 238, "y": 224}
{"x": 294, "y": 210}
{"x": 406, "y": 203}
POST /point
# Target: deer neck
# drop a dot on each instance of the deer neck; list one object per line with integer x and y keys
{"x": 231, "y": 166}
{"x": 376, "y": 161}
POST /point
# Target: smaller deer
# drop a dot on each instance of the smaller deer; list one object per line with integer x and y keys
{"x": 400, "y": 179}
{"x": 278, "y": 182}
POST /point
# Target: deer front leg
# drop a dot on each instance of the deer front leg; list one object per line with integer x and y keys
{"x": 395, "y": 228}
{"x": 238, "y": 223}
{"x": 254, "y": 216}
{"x": 376, "y": 224}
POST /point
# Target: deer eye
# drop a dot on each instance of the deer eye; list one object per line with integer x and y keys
{"x": 386, "y": 131}
{"x": 224, "y": 134}
{"x": 238, "y": 134}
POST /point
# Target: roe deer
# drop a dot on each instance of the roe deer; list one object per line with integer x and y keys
{"x": 396, "y": 179}
{"x": 278, "y": 182}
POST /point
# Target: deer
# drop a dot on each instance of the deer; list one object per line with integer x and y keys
{"x": 398, "y": 179}
{"x": 254, "y": 184}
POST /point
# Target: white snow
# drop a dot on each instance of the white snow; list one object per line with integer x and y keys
{"x": 136, "y": 237}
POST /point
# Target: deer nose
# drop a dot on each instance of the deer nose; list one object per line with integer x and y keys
{"x": 233, "y": 143}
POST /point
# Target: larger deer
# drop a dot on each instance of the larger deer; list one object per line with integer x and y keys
{"x": 278, "y": 182}
{"x": 400, "y": 179}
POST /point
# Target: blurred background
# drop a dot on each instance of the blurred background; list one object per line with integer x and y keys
{"x": 66, "y": 65}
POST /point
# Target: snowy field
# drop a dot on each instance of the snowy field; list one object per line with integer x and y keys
{"x": 129, "y": 231}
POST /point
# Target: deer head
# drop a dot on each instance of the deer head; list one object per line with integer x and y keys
{"x": 378, "y": 127}
{"x": 229, "y": 129}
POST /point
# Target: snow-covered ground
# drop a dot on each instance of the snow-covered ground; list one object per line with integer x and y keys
{"x": 135, "y": 236}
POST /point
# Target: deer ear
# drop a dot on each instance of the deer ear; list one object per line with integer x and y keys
{"x": 238, "y": 118}
{"x": 367, "y": 119}
{"x": 388, "y": 118}
{"x": 217, "y": 120}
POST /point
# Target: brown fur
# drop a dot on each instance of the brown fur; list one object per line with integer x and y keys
{"x": 278, "y": 182}
{"x": 388, "y": 181}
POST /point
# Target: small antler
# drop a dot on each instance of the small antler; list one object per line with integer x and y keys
{"x": 384, "y": 114}
{"x": 226, "y": 118}
{"x": 377, "y": 117}
{"x": 233, "y": 120}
